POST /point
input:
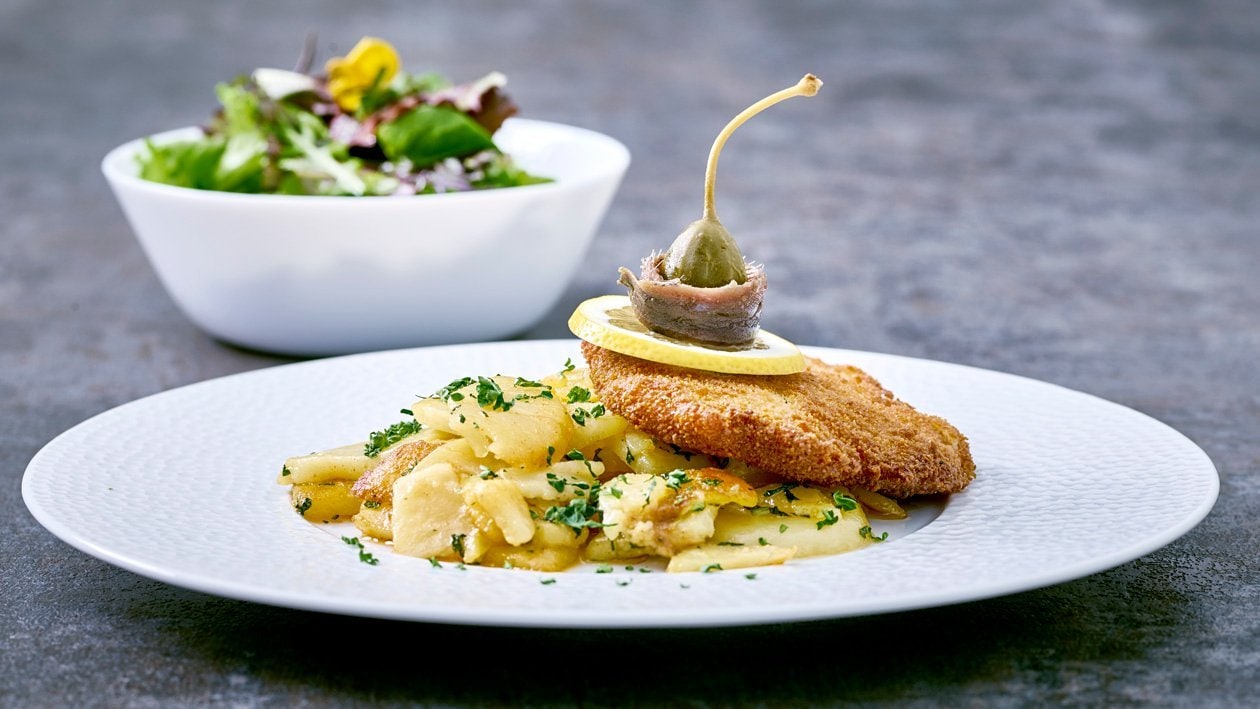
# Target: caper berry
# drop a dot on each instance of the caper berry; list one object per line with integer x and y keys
{"x": 705, "y": 254}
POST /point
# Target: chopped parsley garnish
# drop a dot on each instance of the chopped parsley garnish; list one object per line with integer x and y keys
{"x": 380, "y": 440}
{"x": 762, "y": 541}
{"x": 578, "y": 514}
{"x": 551, "y": 450}
{"x": 490, "y": 395}
{"x": 450, "y": 392}
{"x": 303, "y": 506}
{"x": 547, "y": 582}
{"x": 406, "y": 412}
{"x": 457, "y": 543}
{"x": 577, "y": 395}
{"x": 868, "y": 534}
{"x": 604, "y": 569}
{"x": 580, "y": 414}
{"x": 829, "y": 518}
{"x": 676, "y": 479}
{"x": 527, "y": 383}
{"x": 371, "y": 504}
{"x": 782, "y": 528}
{"x": 556, "y": 482}
{"x": 285, "y": 472}
{"x": 785, "y": 488}
{"x": 843, "y": 501}
{"x": 711, "y": 568}
{"x": 568, "y": 365}
{"x": 574, "y": 454}
{"x": 629, "y": 457}
{"x": 364, "y": 555}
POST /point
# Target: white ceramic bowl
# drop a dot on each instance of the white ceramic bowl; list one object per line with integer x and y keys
{"x": 316, "y": 276}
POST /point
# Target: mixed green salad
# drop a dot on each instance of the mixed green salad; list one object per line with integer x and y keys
{"x": 364, "y": 126}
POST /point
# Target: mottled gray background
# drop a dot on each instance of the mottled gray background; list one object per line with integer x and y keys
{"x": 1062, "y": 190}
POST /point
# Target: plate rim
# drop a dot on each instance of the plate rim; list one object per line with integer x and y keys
{"x": 599, "y": 618}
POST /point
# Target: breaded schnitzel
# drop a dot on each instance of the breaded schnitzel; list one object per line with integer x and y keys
{"x": 829, "y": 425}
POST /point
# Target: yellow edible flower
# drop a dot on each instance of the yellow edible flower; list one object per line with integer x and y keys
{"x": 372, "y": 62}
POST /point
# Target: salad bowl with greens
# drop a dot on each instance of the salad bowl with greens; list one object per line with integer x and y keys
{"x": 364, "y": 127}
{"x": 365, "y": 208}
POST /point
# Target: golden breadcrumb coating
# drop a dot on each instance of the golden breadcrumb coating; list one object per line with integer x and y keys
{"x": 829, "y": 425}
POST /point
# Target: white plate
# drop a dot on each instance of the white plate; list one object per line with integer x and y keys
{"x": 180, "y": 487}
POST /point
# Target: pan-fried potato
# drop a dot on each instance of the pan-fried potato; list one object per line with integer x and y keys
{"x": 510, "y": 472}
{"x": 503, "y": 503}
{"x": 324, "y": 502}
{"x": 879, "y": 506}
{"x": 716, "y": 557}
{"x": 563, "y": 480}
{"x": 805, "y": 535}
{"x": 429, "y": 514}
{"x": 340, "y": 463}
{"x": 376, "y": 521}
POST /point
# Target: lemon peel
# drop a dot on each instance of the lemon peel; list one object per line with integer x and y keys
{"x": 609, "y": 321}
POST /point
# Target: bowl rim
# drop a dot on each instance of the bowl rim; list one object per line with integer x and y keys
{"x": 112, "y": 166}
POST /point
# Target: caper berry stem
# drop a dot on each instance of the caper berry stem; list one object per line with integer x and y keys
{"x": 807, "y": 86}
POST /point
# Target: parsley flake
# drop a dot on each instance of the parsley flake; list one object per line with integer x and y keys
{"x": 489, "y": 394}
{"x": 843, "y": 501}
{"x": 380, "y": 440}
{"x": 676, "y": 479}
{"x": 578, "y": 514}
{"x": 450, "y": 392}
{"x": 364, "y": 555}
{"x": 868, "y": 534}
{"x": 785, "y": 488}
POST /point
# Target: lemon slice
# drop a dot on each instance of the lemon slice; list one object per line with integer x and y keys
{"x": 609, "y": 322}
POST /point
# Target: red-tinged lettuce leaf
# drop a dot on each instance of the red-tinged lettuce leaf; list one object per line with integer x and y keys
{"x": 496, "y": 107}
{"x": 429, "y": 134}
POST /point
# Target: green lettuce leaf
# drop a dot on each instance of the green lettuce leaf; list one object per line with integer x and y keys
{"x": 187, "y": 163}
{"x": 430, "y": 134}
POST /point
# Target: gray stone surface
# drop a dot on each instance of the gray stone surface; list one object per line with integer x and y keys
{"x": 1062, "y": 190}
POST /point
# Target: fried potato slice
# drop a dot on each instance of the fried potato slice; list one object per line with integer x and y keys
{"x": 324, "y": 502}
